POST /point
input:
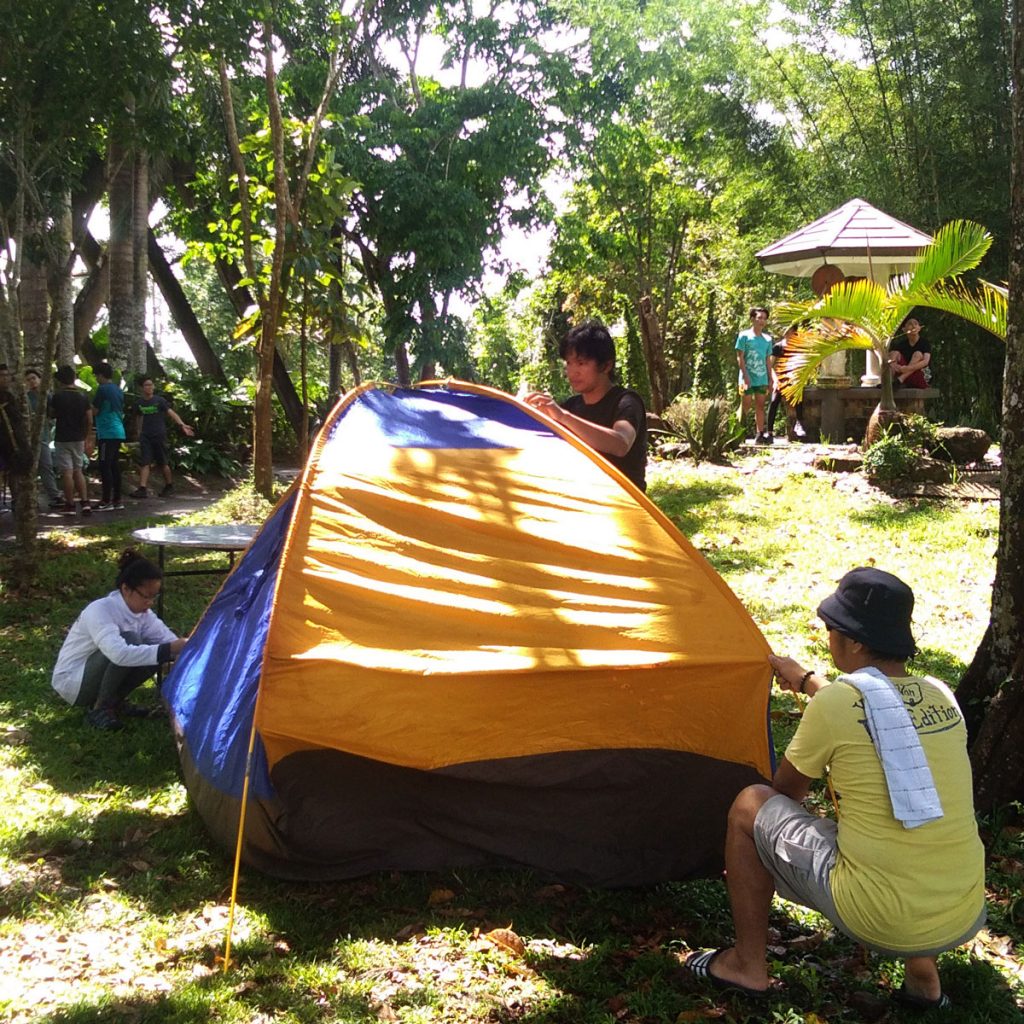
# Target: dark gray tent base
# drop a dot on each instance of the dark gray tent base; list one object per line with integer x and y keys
{"x": 601, "y": 817}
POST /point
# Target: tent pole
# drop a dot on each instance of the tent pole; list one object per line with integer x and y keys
{"x": 238, "y": 846}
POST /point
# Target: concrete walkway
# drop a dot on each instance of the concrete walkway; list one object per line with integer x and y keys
{"x": 191, "y": 495}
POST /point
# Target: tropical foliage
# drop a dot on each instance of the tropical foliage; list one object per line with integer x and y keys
{"x": 863, "y": 314}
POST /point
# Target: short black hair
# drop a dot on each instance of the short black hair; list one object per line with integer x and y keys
{"x": 104, "y": 370}
{"x": 754, "y": 310}
{"x": 589, "y": 340}
{"x": 66, "y": 375}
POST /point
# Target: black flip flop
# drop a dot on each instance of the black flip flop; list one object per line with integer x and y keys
{"x": 699, "y": 965}
{"x": 911, "y": 1002}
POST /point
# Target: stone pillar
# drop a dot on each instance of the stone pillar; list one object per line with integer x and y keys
{"x": 872, "y": 369}
{"x": 832, "y": 372}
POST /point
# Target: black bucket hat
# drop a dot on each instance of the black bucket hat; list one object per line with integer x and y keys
{"x": 873, "y": 607}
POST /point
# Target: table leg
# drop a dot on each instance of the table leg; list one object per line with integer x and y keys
{"x": 160, "y": 609}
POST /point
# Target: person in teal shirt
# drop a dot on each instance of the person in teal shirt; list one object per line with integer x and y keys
{"x": 753, "y": 354}
{"x": 109, "y": 405}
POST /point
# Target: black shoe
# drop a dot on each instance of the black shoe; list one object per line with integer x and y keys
{"x": 139, "y": 492}
{"x": 167, "y": 491}
{"x": 128, "y": 710}
{"x": 104, "y": 719}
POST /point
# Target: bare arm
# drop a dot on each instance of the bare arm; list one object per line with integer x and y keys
{"x": 614, "y": 440}
{"x": 90, "y": 437}
{"x": 789, "y": 782}
{"x": 741, "y": 360}
{"x": 791, "y": 675}
{"x": 185, "y": 428}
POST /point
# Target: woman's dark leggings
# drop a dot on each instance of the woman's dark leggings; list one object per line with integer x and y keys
{"x": 773, "y": 409}
{"x": 105, "y": 685}
{"x": 110, "y": 470}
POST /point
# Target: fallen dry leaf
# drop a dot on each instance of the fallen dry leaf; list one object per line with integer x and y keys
{"x": 1009, "y": 866}
{"x": 506, "y": 939}
{"x": 618, "y": 1006}
{"x": 702, "y": 1013}
{"x": 438, "y": 896}
{"x": 803, "y": 943}
{"x": 548, "y": 892}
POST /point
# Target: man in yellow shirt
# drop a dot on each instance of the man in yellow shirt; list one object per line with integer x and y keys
{"x": 906, "y": 884}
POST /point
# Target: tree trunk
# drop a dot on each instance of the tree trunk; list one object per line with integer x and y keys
{"x": 402, "y": 369}
{"x": 94, "y": 293}
{"x": 272, "y": 306}
{"x": 885, "y": 412}
{"x": 992, "y": 691}
{"x": 241, "y": 299}
{"x": 35, "y": 312}
{"x": 122, "y": 263}
{"x": 181, "y": 309}
{"x": 654, "y": 354}
{"x": 140, "y": 277}
{"x": 59, "y": 290}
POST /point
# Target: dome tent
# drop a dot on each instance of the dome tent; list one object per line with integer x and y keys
{"x": 463, "y": 638}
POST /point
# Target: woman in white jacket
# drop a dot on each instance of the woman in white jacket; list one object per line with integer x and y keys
{"x": 115, "y": 645}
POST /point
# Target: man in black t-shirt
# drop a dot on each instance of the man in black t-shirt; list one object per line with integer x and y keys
{"x": 154, "y": 410}
{"x": 909, "y": 354}
{"x": 610, "y": 418}
{"x": 72, "y": 438}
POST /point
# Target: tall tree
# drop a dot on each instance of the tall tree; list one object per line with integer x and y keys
{"x": 121, "y": 294}
{"x": 678, "y": 174}
{"x": 992, "y": 690}
{"x": 289, "y": 193}
{"x": 64, "y": 68}
{"x": 444, "y": 160}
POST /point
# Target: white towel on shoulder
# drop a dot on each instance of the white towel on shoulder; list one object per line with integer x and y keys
{"x": 915, "y": 801}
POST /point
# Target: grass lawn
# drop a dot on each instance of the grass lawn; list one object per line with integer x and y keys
{"x": 113, "y": 900}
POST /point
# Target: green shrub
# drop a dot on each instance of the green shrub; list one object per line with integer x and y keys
{"x": 218, "y": 412}
{"x": 918, "y": 431}
{"x": 205, "y": 458}
{"x": 891, "y": 457}
{"x": 709, "y": 428}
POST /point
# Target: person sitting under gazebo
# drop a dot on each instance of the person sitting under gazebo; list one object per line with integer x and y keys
{"x": 909, "y": 354}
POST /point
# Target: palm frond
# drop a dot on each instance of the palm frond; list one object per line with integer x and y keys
{"x": 985, "y": 307}
{"x": 958, "y": 247}
{"x": 861, "y": 302}
{"x": 864, "y": 303}
{"x": 793, "y": 311}
{"x": 807, "y": 349}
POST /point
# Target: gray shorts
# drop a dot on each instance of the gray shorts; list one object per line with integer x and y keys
{"x": 799, "y": 850}
{"x": 67, "y": 455}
